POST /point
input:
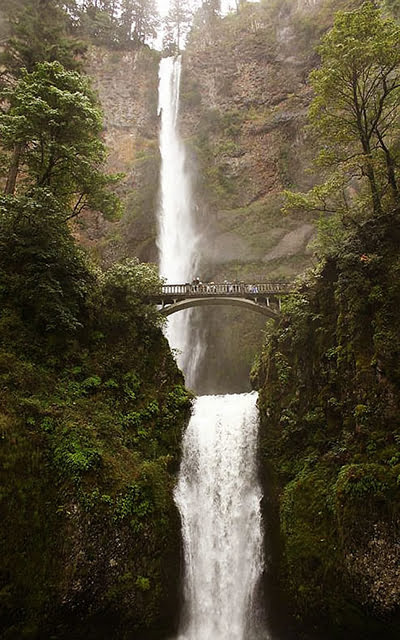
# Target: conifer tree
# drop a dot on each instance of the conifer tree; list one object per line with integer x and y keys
{"x": 176, "y": 25}
{"x": 207, "y": 15}
{"x": 139, "y": 21}
{"x": 38, "y": 31}
{"x": 97, "y": 20}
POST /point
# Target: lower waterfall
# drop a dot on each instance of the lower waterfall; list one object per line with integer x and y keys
{"x": 218, "y": 496}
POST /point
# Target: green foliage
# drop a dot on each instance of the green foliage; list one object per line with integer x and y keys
{"x": 96, "y": 24}
{"x": 354, "y": 118}
{"x": 91, "y": 384}
{"x": 362, "y": 482}
{"x": 125, "y": 292}
{"x": 176, "y": 26}
{"x": 52, "y": 128}
{"x": 139, "y": 21}
{"x": 143, "y": 583}
{"x": 135, "y": 504}
{"x": 329, "y": 381}
{"x": 131, "y": 279}
{"x": 123, "y": 25}
{"x": 48, "y": 30}
{"x": 72, "y": 456}
{"x": 37, "y": 32}
{"x": 42, "y": 273}
{"x": 311, "y": 541}
{"x": 282, "y": 367}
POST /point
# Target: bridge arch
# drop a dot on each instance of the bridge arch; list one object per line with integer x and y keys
{"x": 189, "y": 303}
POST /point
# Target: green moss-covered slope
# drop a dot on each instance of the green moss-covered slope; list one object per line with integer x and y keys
{"x": 90, "y": 534}
{"x": 329, "y": 383}
{"x": 92, "y": 405}
{"x": 91, "y": 422}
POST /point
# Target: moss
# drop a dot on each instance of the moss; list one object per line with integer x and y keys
{"x": 91, "y": 432}
{"x": 329, "y": 410}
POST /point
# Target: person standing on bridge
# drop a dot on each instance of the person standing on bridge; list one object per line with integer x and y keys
{"x": 196, "y": 284}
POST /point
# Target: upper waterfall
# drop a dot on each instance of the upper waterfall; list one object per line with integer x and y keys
{"x": 178, "y": 236}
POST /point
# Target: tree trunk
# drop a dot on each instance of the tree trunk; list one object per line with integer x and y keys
{"x": 370, "y": 173}
{"x": 376, "y": 198}
{"x": 392, "y": 177}
{"x": 361, "y": 115}
{"x": 390, "y": 169}
{"x": 13, "y": 170}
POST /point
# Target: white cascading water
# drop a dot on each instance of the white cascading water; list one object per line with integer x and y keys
{"x": 218, "y": 496}
{"x": 178, "y": 237}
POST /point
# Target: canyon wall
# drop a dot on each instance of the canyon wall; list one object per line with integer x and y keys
{"x": 127, "y": 85}
{"x": 244, "y": 101}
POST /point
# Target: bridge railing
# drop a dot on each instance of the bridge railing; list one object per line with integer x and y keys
{"x": 212, "y": 288}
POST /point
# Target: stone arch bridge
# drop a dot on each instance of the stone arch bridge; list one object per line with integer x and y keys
{"x": 264, "y": 297}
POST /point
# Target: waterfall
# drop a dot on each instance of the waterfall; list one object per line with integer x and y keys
{"x": 218, "y": 496}
{"x": 178, "y": 236}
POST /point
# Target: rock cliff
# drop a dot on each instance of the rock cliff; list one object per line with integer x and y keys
{"x": 127, "y": 85}
{"x": 244, "y": 102}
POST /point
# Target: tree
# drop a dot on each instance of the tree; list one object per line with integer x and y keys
{"x": 207, "y": 15}
{"x": 38, "y": 32}
{"x": 51, "y": 129}
{"x": 126, "y": 291}
{"x": 43, "y": 274}
{"x": 211, "y": 7}
{"x": 96, "y": 20}
{"x": 139, "y": 21}
{"x": 176, "y": 25}
{"x": 355, "y": 113}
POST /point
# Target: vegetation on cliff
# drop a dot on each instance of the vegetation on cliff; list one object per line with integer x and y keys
{"x": 329, "y": 373}
{"x": 354, "y": 117}
{"x": 92, "y": 403}
{"x": 93, "y": 409}
{"x": 330, "y": 437}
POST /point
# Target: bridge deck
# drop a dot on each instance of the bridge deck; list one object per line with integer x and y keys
{"x": 264, "y": 289}
{"x": 173, "y": 292}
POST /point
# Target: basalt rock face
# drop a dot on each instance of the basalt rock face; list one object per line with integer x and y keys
{"x": 244, "y": 102}
{"x": 127, "y": 85}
